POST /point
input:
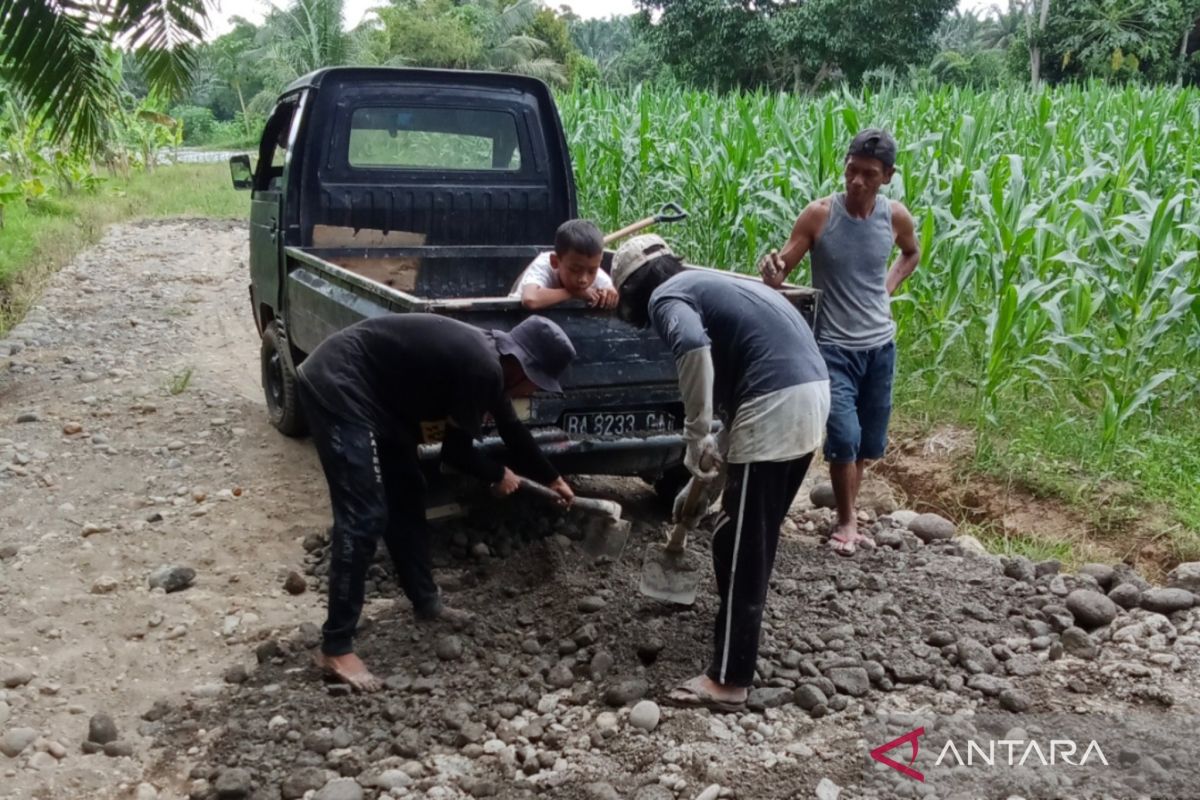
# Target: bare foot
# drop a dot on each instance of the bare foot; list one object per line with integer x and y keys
{"x": 349, "y": 669}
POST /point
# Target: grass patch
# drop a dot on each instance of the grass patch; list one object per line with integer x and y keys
{"x": 40, "y": 238}
{"x": 1033, "y": 548}
{"x": 1056, "y": 452}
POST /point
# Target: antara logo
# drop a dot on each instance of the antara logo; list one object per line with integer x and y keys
{"x": 992, "y": 752}
{"x": 911, "y": 738}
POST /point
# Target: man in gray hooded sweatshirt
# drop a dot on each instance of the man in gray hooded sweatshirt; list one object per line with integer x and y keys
{"x": 746, "y": 356}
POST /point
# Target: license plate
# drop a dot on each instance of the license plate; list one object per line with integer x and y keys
{"x": 617, "y": 423}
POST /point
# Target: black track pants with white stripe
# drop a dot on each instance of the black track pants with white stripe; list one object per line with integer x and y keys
{"x": 756, "y": 500}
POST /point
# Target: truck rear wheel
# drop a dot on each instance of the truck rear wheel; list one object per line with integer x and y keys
{"x": 279, "y": 382}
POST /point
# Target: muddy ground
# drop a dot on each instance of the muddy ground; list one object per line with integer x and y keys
{"x": 132, "y": 437}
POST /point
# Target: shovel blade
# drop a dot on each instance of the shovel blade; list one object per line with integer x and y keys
{"x": 605, "y": 538}
{"x": 672, "y": 577}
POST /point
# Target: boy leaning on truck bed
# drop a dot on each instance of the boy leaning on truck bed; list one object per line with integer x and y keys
{"x": 569, "y": 272}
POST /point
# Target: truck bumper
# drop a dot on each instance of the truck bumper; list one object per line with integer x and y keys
{"x": 645, "y": 456}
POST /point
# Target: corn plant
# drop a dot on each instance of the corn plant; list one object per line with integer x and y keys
{"x": 1059, "y": 227}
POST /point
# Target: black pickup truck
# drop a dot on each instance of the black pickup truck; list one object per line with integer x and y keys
{"x": 390, "y": 191}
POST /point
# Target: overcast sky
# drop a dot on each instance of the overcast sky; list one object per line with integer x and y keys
{"x": 255, "y": 10}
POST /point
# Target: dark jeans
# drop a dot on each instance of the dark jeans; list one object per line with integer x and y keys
{"x": 377, "y": 491}
{"x": 756, "y": 500}
{"x": 860, "y": 395}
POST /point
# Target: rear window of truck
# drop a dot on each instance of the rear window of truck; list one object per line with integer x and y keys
{"x": 410, "y": 137}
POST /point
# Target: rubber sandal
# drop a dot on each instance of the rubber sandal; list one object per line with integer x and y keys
{"x": 843, "y": 547}
{"x": 690, "y": 695}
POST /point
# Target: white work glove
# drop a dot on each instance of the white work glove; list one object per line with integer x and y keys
{"x": 710, "y": 495}
{"x": 703, "y": 457}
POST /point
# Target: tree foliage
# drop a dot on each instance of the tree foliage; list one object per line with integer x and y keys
{"x": 59, "y": 55}
{"x": 792, "y": 43}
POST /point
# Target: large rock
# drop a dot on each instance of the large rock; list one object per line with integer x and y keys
{"x": 449, "y": 648}
{"x": 15, "y": 740}
{"x": 1167, "y": 601}
{"x": 828, "y": 790}
{"x": 171, "y": 578}
{"x": 102, "y": 729}
{"x": 1126, "y": 595}
{"x": 340, "y": 789}
{"x": 822, "y": 495}
{"x": 645, "y": 715}
{"x": 971, "y": 547}
{"x": 765, "y": 697}
{"x": 1078, "y": 643}
{"x": 1102, "y": 573}
{"x": 990, "y": 685}
{"x": 975, "y": 657}
{"x": 302, "y": 781}
{"x": 1019, "y": 568}
{"x": 1185, "y": 576}
{"x": 1091, "y": 609}
{"x": 1014, "y": 700}
{"x": 809, "y": 697}
{"x": 932, "y": 527}
{"x": 234, "y": 784}
{"x": 14, "y": 675}
{"x": 626, "y": 692}
{"x": 1123, "y": 573}
{"x": 878, "y": 496}
{"x": 853, "y": 681}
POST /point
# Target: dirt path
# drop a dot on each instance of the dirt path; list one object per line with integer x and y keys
{"x": 146, "y": 445}
{"x": 145, "y": 344}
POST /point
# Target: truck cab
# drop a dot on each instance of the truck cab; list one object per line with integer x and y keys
{"x": 389, "y": 190}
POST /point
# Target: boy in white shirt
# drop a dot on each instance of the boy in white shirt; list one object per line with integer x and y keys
{"x": 570, "y": 271}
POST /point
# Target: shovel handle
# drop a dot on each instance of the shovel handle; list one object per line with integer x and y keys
{"x": 591, "y": 505}
{"x": 677, "y": 541}
{"x": 670, "y": 212}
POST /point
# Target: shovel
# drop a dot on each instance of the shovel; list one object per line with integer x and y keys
{"x": 670, "y": 212}
{"x": 671, "y": 573}
{"x": 604, "y": 534}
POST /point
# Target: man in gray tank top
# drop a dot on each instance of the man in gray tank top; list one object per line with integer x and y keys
{"x": 851, "y": 236}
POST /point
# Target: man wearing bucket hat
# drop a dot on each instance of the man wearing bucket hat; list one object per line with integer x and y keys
{"x": 375, "y": 390}
{"x": 851, "y": 236}
{"x": 744, "y": 354}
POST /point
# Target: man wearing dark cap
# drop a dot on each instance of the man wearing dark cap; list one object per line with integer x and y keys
{"x": 851, "y": 236}
{"x": 375, "y": 390}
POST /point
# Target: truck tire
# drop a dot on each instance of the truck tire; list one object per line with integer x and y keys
{"x": 279, "y": 382}
{"x": 670, "y": 484}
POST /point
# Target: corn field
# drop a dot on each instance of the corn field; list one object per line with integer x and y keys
{"x": 1059, "y": 230}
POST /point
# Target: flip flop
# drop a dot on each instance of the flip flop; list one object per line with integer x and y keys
{"x": 690, "y": 695}
{"x": 843, "y": 547}
{"x": 849, "y": 548}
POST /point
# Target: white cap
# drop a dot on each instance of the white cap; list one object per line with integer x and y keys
{"x": 634, "y": 254}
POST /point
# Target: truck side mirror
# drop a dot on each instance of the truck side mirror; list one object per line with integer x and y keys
{"x": 239, "y": 170}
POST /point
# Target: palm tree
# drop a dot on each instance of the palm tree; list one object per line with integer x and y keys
{"x": 508, "y": 48}
{"x": 307, "y": 35}
{"x": 57, "y": 54}
{"x": 1001, "y": 27}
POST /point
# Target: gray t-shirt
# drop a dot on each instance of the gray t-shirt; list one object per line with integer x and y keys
{"x": 759, "y": 341}
{"x": 850, "y": 266}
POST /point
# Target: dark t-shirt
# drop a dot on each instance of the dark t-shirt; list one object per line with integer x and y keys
{"x": 404, "y": 375}
{"x": 760, "y": 342}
